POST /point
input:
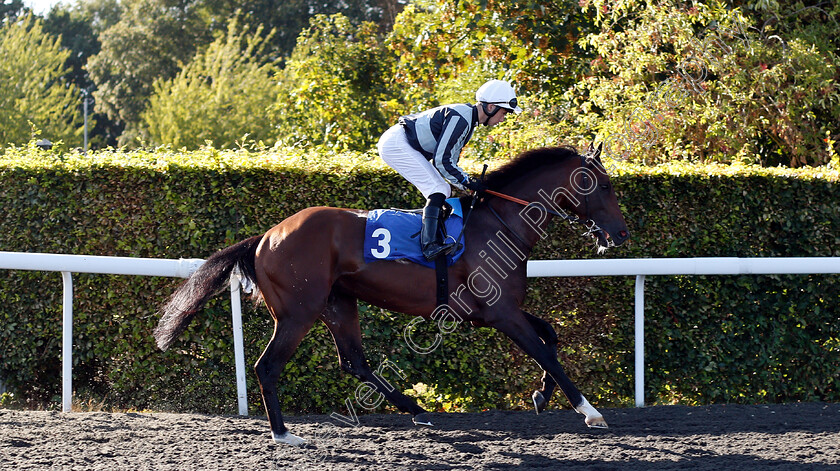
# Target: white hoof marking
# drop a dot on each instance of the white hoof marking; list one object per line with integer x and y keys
{"x": 594, "y": 419}
{"x": 289, "y": 439}
{"x": 599, "y": 425}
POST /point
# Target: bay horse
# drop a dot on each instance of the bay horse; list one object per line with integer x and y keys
{"x": 310, "y": 267}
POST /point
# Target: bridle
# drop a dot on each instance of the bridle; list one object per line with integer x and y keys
{"x": 588, "y": 223}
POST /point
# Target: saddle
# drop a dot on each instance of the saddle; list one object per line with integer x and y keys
{"x": 394, "y": 234}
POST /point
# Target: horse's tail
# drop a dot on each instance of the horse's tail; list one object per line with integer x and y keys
{"x": 212, "y": 277}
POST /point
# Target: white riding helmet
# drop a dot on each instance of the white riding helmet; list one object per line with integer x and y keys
{"x": 500, "y": 93}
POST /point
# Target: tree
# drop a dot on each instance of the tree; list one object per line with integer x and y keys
{"x": 701, "y": 81}
{"x": 530, "y": 42}
{"x": 154, "y": 38}
{"x": 33, "y": 88}
{"x": 335, "y": 87}
{"x": 12, "y": 9}
{"x": 220, "y": 96}
{"x": 151, "y": 41}
{"x": 79, "y": 26}
{"x": 447, "y": 50}
{"x": 287, "y": 18}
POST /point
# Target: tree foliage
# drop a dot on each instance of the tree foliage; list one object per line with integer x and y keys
{"x": 335, "y": 87}
{"x": 655, "y": 80}
{"x": 11, "y": 9}
{"x": 151, "y": 41}
{"x": 79, "y": 25}
{"x": 289, "y": 17}
{"x": 702, "y": 81}
{"x": 221, "y": 96}
{"x": 447, "y": 50}
{"x": 527, "y": 41}
{"x": 34, "y": 95}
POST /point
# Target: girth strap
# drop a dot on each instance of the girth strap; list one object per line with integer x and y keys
{"x": 442, "y": 280}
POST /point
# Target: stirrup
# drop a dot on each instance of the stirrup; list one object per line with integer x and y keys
{"x": 456, "y": 246}
{"x": 436, "y": 249}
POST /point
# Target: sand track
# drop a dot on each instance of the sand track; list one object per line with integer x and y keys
{"x": 796, "y": 436}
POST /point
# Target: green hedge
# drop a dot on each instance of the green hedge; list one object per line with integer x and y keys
{"x": 709, "y": 339}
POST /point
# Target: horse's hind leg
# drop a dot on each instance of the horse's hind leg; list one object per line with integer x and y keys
{"x": 549, "y": 337}
{"x": 290, "y": 326}
{"x": 341, "y": 317}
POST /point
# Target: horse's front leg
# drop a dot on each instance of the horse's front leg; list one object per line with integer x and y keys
{"x": 341, "y": 317}
{"x": 549, "y": 338}
{"x": 519, "y": 329}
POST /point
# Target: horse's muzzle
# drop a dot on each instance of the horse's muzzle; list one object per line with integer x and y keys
{"x": 621, "y": 237}
{"x": 606, "y": 240}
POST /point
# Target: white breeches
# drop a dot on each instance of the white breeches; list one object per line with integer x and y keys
{"x": 395, "y": 150}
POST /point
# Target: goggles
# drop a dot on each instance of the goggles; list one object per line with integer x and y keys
{"x": 512, "y": 103}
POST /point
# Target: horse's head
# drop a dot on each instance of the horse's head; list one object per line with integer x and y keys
{"x": 597, "y": 204}
{"x": 559, "y": 181}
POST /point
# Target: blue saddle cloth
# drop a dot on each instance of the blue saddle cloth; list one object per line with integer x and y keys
{"x": 395, "y": 235}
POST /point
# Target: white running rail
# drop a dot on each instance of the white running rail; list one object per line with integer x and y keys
{"x": 641, "y": 267}
{"x": 69, "y": 264}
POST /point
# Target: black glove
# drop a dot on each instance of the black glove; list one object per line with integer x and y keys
{"x": 475, "y": 185}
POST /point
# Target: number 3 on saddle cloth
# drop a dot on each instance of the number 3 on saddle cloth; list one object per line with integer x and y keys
{"x": 395, "y": 234}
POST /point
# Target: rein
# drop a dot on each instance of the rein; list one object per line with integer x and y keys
{"x": 525, "y": 203}
{"x": 571, "y": 219}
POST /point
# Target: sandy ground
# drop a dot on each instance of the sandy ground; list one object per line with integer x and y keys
{"x": 724, "y": 437}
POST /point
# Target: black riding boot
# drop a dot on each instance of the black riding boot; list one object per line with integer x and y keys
{"x": 431, "y": 245}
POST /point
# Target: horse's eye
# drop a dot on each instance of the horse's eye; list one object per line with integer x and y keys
{"x": 605, "y": 186}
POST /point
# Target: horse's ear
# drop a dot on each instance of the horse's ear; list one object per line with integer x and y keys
{"x": 597, "y": 155}
{"x": 594, "y": 153}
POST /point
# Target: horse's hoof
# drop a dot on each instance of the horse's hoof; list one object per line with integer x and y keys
{"x": 422, "y": 419}
{"x": 539, "y": 401}
{"x": 596, "y": 422}
{"x": 288, "y": 439}
{"x": 594, "y": 419}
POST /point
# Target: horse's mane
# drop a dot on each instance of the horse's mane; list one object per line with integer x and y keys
{"x": 527, "y": 162}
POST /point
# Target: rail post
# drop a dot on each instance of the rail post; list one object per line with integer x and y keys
{"x": 640, "y": 341}
{"x": 238, "y": 343}
{"x": 67, "y": 343}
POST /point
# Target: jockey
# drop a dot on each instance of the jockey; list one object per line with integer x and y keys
{"x": 425, "y": 148}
